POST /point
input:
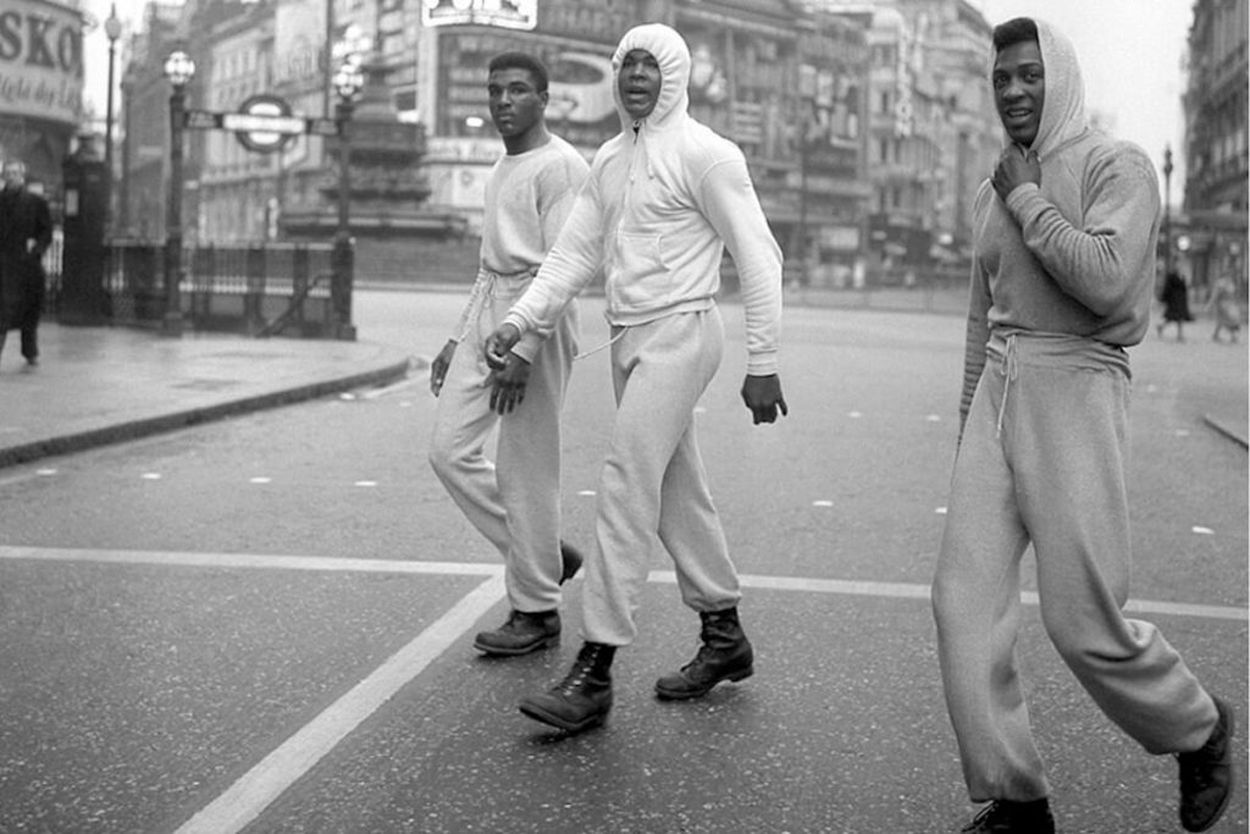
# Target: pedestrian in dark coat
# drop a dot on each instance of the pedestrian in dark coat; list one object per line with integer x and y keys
{"x": 25, "y": 234}
{"x": 1175, "y": 298}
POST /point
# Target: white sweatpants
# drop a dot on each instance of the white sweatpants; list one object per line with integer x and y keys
{"x": 515, "y": 501}
{"x": 1042, "y": 459}
{"x": 653, "y": 484}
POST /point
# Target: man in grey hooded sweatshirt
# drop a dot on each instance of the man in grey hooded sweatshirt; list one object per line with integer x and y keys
{"x": 664, "y": 199}
{"x": 1064, "y": 240}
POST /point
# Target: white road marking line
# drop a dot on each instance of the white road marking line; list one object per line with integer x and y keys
{"x": 247, "y": 798}
{"x": 328, "y": 563}
{"x": 908, "y": 590}
{"x": 249, "y": 560}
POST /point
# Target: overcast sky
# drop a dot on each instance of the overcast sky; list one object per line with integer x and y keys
{"x": 1130, "y": 51}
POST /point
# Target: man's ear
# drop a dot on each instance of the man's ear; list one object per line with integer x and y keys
{"x": 544, "y": 97}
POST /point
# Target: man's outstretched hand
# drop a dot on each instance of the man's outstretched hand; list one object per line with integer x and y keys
{"x": 762, "y": 395}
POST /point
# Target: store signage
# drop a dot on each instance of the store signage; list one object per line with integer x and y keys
{"x": 508, "y": 14}
{"x": 41, "y": 64}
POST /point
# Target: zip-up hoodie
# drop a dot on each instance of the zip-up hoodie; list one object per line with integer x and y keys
{"x": 1075, "y": 255}
{"x": 665, "y": 197}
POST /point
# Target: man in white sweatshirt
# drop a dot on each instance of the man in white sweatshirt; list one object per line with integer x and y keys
{"x": 664, "y": 199}
{"x": 514, "y": 503}
{"x": 1064, "y": 241}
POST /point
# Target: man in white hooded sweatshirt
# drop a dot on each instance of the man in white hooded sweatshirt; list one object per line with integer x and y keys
{"x": 1064, "y": 241}
{"x": 664, "y": 199}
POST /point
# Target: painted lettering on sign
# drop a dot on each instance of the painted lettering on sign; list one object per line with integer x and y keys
{"x": 41, "y": 62}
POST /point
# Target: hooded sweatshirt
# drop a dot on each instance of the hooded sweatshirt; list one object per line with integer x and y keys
{"x": 665, "y": 197}
{"x": 1074, "y": 255}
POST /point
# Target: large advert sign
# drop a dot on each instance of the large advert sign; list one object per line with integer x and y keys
{"x": 580, "y": 105}
{"x": 507, "y": 14}
{"x": 41, "y": 62}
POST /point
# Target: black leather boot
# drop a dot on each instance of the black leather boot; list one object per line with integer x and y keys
{"x": 725, "y": 655}
{"x": 523, "y": 633}
{"x": 583, "y": 698}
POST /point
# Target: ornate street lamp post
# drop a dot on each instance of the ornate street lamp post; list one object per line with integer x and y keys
{"x": 1167, "y": 208}
{"x": 179, "y": 69}
{"x": 112, "y": 30}
{"x": 348, "y": 82}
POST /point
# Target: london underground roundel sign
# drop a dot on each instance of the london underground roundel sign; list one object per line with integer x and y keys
{"x": 264, "y": 123}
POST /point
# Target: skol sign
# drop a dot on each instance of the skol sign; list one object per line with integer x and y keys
{"x": 41, "y": 60}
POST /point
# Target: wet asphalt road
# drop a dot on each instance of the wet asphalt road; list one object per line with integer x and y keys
{"x": 158, "y": 667}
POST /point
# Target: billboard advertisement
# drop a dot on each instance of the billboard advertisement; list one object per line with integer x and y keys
{"x": 41, "y": 60}
{"x": 507, "y": 14}
{"x": 299, "y": 34}
{"x": 580, "y": 105}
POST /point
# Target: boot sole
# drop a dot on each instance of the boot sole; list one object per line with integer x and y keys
{"x": 687, "y": 694}
{"x": 544, "y": 717}
{"x": 496, "y": 651}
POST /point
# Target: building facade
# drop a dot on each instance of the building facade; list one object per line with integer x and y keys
{"x": 866, "y": 126}
{"x": 932, "y": 131}
{"x": 1212, "y": 238}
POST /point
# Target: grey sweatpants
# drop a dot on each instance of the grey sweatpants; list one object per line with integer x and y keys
{"x": 1043, "y": 459}
{"x": 653, "y": 482}
{"x": 515, "y": 500}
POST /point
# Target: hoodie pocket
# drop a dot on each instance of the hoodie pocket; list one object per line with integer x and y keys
{"x": 643, "y": 280}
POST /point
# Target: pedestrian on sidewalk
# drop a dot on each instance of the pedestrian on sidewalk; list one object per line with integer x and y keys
{"x": 665, "y": 198}
{"x": 515, "y": 501}
{"x": 1064, "y": 238}
{"x": 1175, "y": 298}
{"x": 25, "y": 234}
{"x": 1225, "y": 307}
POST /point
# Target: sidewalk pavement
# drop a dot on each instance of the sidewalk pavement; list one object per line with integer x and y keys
{"x": 100, "y": 385}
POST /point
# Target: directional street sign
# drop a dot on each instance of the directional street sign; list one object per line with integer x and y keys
{"x": 201, "y": 119}
{"x": 323, "y": 127}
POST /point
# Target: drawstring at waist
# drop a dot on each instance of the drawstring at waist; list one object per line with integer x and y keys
{"x": 604, "y": 346}
{"x": 1010, "y": 369}
{"x": 1014, "y": 348}
{"x": 488, "y": 287}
